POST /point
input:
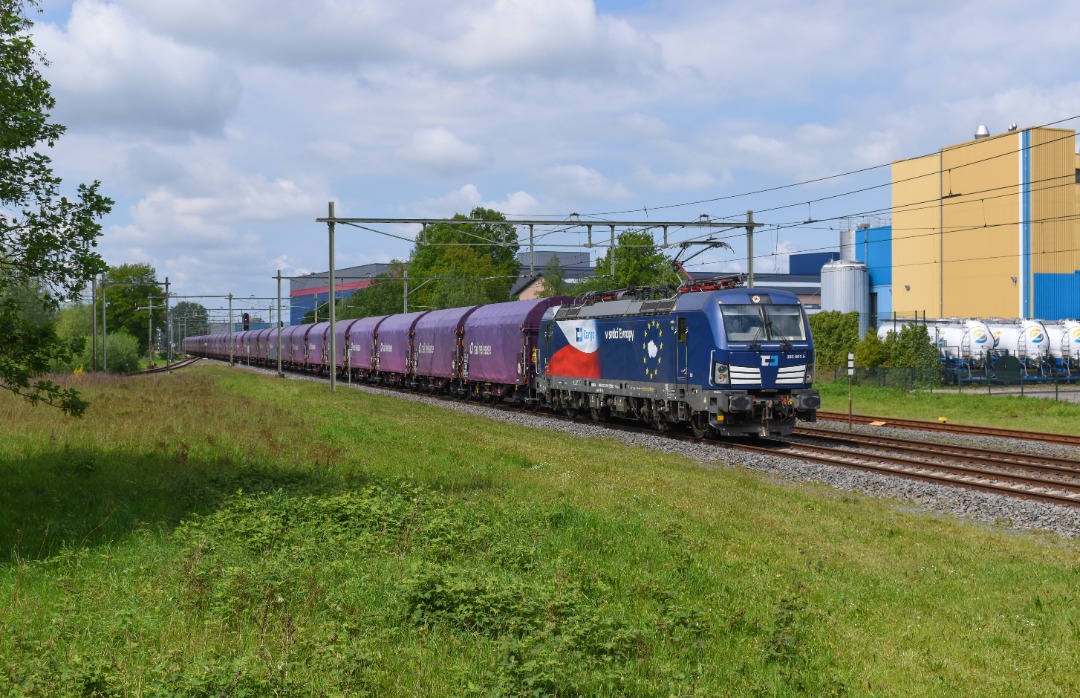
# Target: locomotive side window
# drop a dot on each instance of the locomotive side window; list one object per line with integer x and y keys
{"x": 682, "y": 330}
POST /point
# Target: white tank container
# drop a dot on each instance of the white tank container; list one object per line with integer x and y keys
{"x": 965, "y": 339}
{"x": 1064, "y": 338}
{"x": 959, "y": 338}
{"x": 845, "y": 287}
{"x": 1024, "y": 339}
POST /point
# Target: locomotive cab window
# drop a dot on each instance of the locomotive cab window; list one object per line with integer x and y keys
{"x": 763, "y": 323}
{"x": 682, "y": 330}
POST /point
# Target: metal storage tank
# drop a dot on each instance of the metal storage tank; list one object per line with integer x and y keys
{"x": 964, "y": 339}
{"x": 1064, "y": 340}
{"x": 1024, "y": 339}
{"x": 845, "y": 286}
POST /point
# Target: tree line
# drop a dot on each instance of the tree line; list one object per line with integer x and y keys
{"x": 459, "y": 264}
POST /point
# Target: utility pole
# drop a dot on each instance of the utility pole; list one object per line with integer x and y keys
{"x": 230, "y": 331}
{"x": 93, "y": 314}
{"x": 168, "y": 324}
{"x": 333, "y": 369}
{"x": 150, "y": 308}
{"x": 104, "y": 331}
{"x": 280, "y": 323}
{"x": 749, "y": 249}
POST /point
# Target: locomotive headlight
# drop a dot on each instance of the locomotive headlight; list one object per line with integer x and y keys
{"x": 721, "y": 375}
{"x": 809, "y": 378}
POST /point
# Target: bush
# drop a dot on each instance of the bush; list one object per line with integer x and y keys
{"x": 835, "y": 335}
{"x": 123, "y": 352}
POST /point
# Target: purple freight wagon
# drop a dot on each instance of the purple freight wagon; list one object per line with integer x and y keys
{"x": 360, "y": 336}
{"x": 394, "y": 345}
{"x": 498, "y": 343}
{"x": 318, "y": 346}
{"x": 437, "y": 345}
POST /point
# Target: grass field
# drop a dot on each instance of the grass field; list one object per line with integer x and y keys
{"x": 219, "y": 533}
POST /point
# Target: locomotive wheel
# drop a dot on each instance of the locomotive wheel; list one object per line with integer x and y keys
{"x": 699, "y": 424}
{"x": 596, "y": 414}
{"x": 656, "y": 419}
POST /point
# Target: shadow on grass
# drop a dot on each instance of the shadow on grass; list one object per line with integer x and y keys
{"x": 67, "y": 498}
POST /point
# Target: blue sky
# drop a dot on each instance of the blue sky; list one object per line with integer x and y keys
{"x": 222, "y": 129}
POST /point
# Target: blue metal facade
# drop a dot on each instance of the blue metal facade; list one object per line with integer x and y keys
{"x": 1057, "y": 296}
{"x": 810, "y": 263}
{"x": 873, "y": 247}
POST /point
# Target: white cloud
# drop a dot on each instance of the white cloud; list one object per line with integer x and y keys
{"x": 582, "y": 184}
{"x": 439, "y": 150}
{"x": 109, "y": 73}
{"x": 468, "y": 197}
{"x": 691, "y": 180}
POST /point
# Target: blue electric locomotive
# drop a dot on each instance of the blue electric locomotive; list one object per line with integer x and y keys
{"x": 731, "y": 362}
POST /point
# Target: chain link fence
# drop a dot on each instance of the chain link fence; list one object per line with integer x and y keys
{"x": 1054, "y": 387}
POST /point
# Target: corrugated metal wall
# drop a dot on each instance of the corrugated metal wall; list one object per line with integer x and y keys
{"x": 988, "y": 228}
{"x": 980, "y": 200}
{"x": 1057, "y": 296}
{"x": 915, "y": 236}
{"x": 1054, "y": 237}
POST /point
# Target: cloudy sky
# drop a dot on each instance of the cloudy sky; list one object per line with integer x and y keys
{"x": 222, "y": 128}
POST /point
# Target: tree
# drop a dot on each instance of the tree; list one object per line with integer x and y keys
{"x": 484, "y": 252}
{"x": 638, "y": 262}
{"x": 552, "y": 281}
{"x": 123, "y": 353}
{"x": 126, "y": 288}
{"x": 190, "y": 320}
{"x": 46, "y": 239}
{"x": 871, "y": 352}
{"x": 382, "y": 297}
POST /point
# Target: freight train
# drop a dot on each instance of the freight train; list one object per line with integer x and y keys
{"x": 727, "y": 362}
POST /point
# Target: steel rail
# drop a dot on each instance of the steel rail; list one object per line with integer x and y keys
{"x": 1065, "y": 439}
{"x": 1028, "y": 461}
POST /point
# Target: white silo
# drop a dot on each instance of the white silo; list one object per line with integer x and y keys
{"x": 845, "y": 283}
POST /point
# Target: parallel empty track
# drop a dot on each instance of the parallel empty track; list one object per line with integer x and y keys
{"x": 953, "y": 428}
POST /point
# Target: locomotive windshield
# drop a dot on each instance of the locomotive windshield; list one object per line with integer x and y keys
{"x": 763, "y": 323}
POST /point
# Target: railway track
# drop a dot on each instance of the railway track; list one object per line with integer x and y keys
{"x": 1043, "y": 479}
{"x": 172, "y": 367}
{"x": 918, "y": 425}
{"x": 1039, "y": 478}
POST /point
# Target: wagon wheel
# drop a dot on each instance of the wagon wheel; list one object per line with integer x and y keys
{"x": 699, "y": 424}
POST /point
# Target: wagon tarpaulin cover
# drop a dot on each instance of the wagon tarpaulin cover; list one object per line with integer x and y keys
{"x": 317, "y": 344}
{"x": 393, "y": 342}
{"x": 361, "y": 337}
{"x": 435, "y": 341}
{"x": 499, "y": 337}
{"x": 292, "y": 343}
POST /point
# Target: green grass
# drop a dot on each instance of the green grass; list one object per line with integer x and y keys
{"x": 222, "y": 533}
{"x": 977, "y": 408}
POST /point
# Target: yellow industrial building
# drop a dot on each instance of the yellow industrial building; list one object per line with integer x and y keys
{"x": 986, "y": 228}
